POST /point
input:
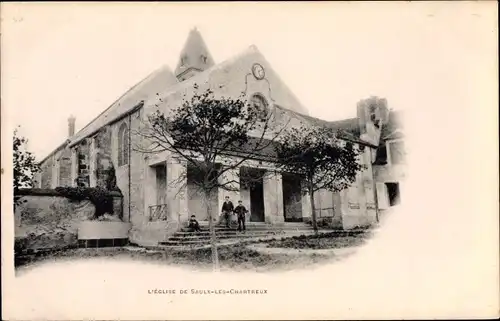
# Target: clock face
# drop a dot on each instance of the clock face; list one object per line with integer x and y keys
{"x": 258, "y": 71}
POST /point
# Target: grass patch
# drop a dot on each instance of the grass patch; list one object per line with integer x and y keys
{"x": 333, "y": 240}
{"x": 231, "y": 257}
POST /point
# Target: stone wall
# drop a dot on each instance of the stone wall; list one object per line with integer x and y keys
{"x": 83, "y": 159}
{"x": 45, "y": 219}
{"x": 121, "y": 172}
{"x": 358, "y": 205}
{"x": 48, "y": 220}
{"x": 103, "y": 159}
{"x": 46, "y": 173}
{"x": 137, "y": 213}
{"x": 65, "y": 168}
{"x": 56, "y": 169}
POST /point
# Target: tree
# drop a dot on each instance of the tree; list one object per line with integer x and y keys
{"x": 317, "y": 155}
{"x": 213, "y": 136}
{"x": 24, "y": 163}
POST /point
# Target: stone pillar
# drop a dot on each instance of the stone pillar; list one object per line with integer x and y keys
{"x": 382, "y": 197}
{"x": 273, "y": 198}
{"x": 306, "y": 207}
{"x": 232, "y": 179}
{"x": 149, "y": 190}
{"x": 74, "y": 166}
{"x": 344, "y": 208}
{"x": 55, "y": 171}
{"x": 176, "y": 189}
{"x": 117, "y": 205}
{"x": 369, "y": 186}
{"x": 92, "y": 163}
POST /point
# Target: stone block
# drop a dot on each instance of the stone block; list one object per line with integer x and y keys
{"x": 91, "y": 230}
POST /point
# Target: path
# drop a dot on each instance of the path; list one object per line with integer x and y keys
{"x": 262, "y": 248}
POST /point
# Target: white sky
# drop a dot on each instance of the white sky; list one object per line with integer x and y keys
{"x": 62, "y": 59}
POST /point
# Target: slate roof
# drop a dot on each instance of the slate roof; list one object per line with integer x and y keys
{"x": 156, "y": 82}
{"x": 347, "y": 129}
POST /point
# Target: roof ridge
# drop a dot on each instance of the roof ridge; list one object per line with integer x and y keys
{"x": 200, "y": 75}
{"x": 156, "y": 71}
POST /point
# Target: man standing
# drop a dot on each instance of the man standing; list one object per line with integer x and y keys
{"x": 241, "y": 211}
{"x": 227, "y": 210}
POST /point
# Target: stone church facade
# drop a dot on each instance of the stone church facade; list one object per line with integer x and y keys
{"x": 151, "y": 201}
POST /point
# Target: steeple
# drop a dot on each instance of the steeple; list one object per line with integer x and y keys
{"x": 194, "y": 57}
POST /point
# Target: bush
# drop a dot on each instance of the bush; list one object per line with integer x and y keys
{"x": 100, "y": 197}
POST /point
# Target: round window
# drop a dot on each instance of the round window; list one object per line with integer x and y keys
{"x": 258, "y": 105}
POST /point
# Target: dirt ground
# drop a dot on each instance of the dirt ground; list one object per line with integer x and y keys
{"x": 236, "y": 257}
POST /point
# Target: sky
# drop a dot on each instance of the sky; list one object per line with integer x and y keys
{"x": 76, "y": 59}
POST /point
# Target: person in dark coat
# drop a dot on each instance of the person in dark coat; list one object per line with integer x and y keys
{"x": 193, "y": 224}
{"x": 241, "y": 212}
{"x": 227, "y": 210}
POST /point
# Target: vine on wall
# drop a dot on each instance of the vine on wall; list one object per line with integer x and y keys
{"x": 98, "y": 196}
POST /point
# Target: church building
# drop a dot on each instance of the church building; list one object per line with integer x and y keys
{"x": 153, "y": 205}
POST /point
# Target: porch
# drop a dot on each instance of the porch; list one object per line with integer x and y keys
{"x": 171, "y": 194}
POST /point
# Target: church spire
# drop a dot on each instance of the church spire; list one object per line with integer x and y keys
{"x": 194, "y": 56}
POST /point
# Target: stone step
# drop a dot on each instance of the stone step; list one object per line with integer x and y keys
{"x": 196, "y": 242}
{"x": 219, "y": 237}
{"x": 227, "y": 236}
{"x": 228, "y": 232}
{"x": 255, "y": 228}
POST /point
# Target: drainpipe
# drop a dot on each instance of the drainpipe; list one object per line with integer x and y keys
{"x": 129, "y": 182}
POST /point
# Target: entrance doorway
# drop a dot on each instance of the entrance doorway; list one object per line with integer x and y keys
{"x": 292, "y": 197}
{"x": 393, "y": 192}
{"x": 252, "y": 183}
{"x": 257, "y": 202}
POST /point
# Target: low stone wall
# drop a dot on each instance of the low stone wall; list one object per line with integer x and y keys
{"x": 152, "y": 233}
{"x": 44, "y": 219}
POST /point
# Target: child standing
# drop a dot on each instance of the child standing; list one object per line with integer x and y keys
{"x": 241, "y": 211}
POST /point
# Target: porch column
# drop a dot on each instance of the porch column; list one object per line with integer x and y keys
{"x": 149, "y": 190}
{"x": 176, "y": 189}
{"x": 349, "y": 219}
{"x": 273, "y": 198}
{"x": 382, "y": 197}
{"x": 232, "y": 179}
{"x": 55, "y": 170}
{"x": 74, "y": 166}
{"x": 369, "y": 186}
{"x": 306, "y": 207}
{"x": 92, "y": 163}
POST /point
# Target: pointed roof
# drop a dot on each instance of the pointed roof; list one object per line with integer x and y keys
{"x": 194, "y": 54}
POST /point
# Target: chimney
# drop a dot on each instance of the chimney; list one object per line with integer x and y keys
{"x": 71, "y": 126}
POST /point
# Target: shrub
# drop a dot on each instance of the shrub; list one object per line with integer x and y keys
{"x": 100, "y": 197}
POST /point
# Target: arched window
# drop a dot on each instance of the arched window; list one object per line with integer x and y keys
{"x": 258, "y": 104}
{"x": 123, "y": 145}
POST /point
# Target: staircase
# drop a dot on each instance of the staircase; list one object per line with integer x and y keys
{"x": 254, "y": 230}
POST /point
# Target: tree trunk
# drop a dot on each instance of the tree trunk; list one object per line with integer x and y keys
{"x": 313, "y": 213}
{"x": 213, "y": 238}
